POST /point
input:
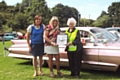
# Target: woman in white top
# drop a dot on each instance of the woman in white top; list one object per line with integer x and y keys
{"x": 36, "y": 46}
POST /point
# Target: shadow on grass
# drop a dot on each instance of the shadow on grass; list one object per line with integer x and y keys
{"x": 95, "y": 74}
{"x": 28, "y": 62}
{"x": 85, "y": 73}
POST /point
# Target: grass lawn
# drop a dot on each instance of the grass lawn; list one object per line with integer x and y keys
{"x": 19, "y": 69}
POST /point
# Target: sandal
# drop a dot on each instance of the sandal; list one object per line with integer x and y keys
{"x": 52, "y": 74}
{"x": 60, "y": 73}
{"x": 41, "y": 74}
{"x": 35, "y": 74}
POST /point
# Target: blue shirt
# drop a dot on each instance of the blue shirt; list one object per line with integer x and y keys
{"x": 37, "y": 35}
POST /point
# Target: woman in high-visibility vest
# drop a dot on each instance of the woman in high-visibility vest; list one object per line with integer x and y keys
{"x": 74, "y": 48}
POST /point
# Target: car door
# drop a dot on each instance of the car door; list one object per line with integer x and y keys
{"x": 6, "y": 36}
{"x": 90, "y": 57}
{"x": 109, "y": 57}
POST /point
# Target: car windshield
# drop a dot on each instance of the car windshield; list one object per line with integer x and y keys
{"x": 102, "y": 34}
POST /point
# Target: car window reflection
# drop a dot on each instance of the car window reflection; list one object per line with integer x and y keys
{"x": 87, "y": 36}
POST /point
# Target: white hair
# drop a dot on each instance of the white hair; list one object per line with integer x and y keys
{"x": 71, "y": 20}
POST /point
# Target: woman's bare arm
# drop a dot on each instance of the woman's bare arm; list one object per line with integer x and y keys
{"x": 45, "y": 36}
{"x": 28, "y": 38}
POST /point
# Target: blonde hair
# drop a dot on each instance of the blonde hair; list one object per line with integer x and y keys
{"x": 53, "y": 19}
{"x": 71, "y": 20}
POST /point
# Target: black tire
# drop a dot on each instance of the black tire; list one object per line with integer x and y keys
{"x": 118, "y": 69}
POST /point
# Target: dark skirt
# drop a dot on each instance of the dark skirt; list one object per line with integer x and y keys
{"x": 37, "y": 49}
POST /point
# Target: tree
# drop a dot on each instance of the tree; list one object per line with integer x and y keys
{"x": 21, "y": 15}
{"x": 38, "y": 7}
{"x": 3, "y": 6}
{"x": 63, "y": 13}
{"x": 2, "y": 19}
{"x": 86, "y": 22}
{"x": 20, "y": 22}
{"x": 102, "y": 14}
{"x": 24, "y": 5}
{"x": 25, "y": 12}
{"x": 10, "y": 9}
{"x": 114, "y": 13}
{"x": 1, "y": 24}
{"x": 103, "y": 21}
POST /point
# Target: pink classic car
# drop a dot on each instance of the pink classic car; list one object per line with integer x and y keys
{"x": 101, "y": 50}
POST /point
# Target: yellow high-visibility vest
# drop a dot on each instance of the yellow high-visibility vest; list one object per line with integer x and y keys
{"x": 71, "y": 38}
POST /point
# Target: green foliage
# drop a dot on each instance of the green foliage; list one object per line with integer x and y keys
{"x": 19, "y": 22}
{"x": 86, "y": 22}
{"x": 6, "y": 29}
{"x": 3, "y": 6}
{"x": 63, "y": 13}
{"x": 2, "y": 19}
{"x": 114, "y": 13}
{"x": 1, "y": 24}
{"x": 102, "y": 14}
{"x": 20, "y": 16}
{"x": 102, "y": 21}
{"x": 34, "y": 7}
{"x": 110, "y": 18}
